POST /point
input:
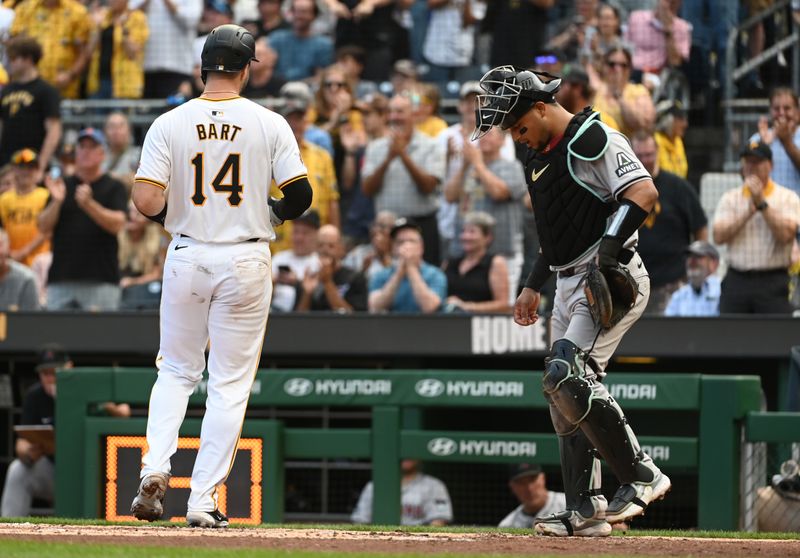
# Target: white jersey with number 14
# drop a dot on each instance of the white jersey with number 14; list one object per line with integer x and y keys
{"x": 216, "y": 161}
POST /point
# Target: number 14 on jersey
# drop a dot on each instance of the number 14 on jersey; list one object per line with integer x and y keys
{"x": 222, "y": 183}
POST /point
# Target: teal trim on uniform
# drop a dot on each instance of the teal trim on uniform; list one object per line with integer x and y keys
{"x": 593, "y": 119}
{"x": 585, "y": 126}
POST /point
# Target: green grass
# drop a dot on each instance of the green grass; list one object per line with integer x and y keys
{"x": 417, "y": 529}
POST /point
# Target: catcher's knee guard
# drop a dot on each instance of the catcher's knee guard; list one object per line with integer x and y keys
{"x": 564, "y": 382}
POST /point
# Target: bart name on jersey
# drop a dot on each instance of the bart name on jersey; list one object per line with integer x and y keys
{"x": 217, "y": 131}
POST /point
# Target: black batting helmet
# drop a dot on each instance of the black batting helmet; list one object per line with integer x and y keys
{"x": 228, "y": 48}
{"x": 510, "y": 93}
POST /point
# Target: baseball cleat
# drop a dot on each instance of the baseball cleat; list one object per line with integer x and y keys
{"x": 149, "y": 502}
{"x": 212, "y": 519}
{"x": 571, "y": 523}
{"x": 632, "y": 499}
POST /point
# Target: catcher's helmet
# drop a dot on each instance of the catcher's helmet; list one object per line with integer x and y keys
{"x": 510, "y": 93}
{"x": 228, "y": 48}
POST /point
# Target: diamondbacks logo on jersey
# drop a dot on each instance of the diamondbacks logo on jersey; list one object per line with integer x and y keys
{"x": 625, "y": 165}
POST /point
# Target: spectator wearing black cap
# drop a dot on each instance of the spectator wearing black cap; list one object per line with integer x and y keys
{"x": 758, "y": 223}
{"x": 84, "y": 214}
{"x": 410, "y": 285}
{"x": 528, "y": 483}
{"x": 671, "y": 124}
{"x": 20, "y": 207}
{"x": 290, "y": 266}
{"x": 32, "y": 474}
{"x": 675, "y": 221}
{"x": 30, "y": 108}
{"x": 700, "y": 296}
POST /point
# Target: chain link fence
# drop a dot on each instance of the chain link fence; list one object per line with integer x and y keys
{"x": 770, "y": 487}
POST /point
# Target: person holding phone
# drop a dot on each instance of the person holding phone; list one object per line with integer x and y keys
{"x": 297, "y": 263}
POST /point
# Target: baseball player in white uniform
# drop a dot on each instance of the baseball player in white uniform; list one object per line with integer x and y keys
{"x": 205, "y": 174}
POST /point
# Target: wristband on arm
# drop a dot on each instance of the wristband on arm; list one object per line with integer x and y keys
{"x": 627, "y": 220}
{"x": 160, "y": 217}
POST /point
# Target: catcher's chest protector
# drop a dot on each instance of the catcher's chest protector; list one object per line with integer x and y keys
{"x": 569, "y": 218}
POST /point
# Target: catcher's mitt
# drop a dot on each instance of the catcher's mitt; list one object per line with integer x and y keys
{"x": 611, "y": 293}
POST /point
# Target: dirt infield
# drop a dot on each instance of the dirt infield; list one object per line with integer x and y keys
{"x": 396, "y": 541}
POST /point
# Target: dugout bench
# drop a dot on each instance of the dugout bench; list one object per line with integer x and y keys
{"x": 89, "y": 477}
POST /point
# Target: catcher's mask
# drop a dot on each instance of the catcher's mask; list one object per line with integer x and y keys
{"x": 228, "y": 48}
{"x": 510, "y": 93}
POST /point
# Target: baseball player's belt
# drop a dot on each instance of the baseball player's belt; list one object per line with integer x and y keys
{"x": 248, "y": 240}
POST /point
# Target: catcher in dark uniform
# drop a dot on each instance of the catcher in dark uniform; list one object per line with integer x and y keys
{"x": 590, "y": 196}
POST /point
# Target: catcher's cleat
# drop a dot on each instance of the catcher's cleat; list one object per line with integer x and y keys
{"x": 212, "y": 519}
{"x": 149, "y": 502}
{"x": 571, "y": 523}
{"x": 632, "y": 499}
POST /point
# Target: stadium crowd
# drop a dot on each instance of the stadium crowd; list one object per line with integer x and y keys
{"x": 409, "y": 214}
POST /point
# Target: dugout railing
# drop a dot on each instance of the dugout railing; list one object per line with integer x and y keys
{"x": 89, "y": 481}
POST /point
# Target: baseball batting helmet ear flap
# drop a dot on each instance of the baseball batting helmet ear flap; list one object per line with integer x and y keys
{"x": 510, "y": 93}
{"x": 228, "y": 48}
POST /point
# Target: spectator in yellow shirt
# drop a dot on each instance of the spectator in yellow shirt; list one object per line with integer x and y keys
{"x": 425, "y": 99}
{"x": 321, "y": 173}
{"x": 62, "y": 28}
{"x": 117, "y": 43}
{"x": 671, "y": 124}
{"x": 20, "y": 207}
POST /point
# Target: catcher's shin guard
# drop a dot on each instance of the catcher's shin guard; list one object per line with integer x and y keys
{"x": 607, "y": 429}
{"x": 581, "y": 472}
{"x": 587, "y": 403}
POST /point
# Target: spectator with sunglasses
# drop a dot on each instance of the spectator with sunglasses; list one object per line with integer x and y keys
{"x": 630, "y": 104}
{"x": 333, "y": 109}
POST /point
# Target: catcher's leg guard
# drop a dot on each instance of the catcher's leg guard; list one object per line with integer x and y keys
{"x": 586, "y": 403}
{"x": 606, "y": 427}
